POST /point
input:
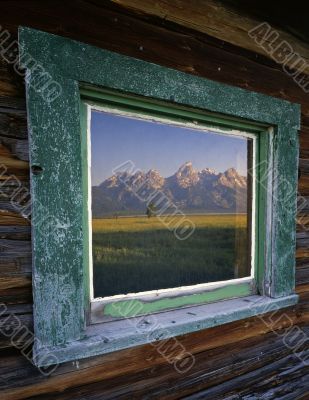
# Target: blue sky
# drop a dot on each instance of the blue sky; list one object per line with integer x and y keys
{"x": 116, "y": 139}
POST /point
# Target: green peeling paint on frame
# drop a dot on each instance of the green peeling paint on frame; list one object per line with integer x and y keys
{"x": 173, "y": 112}
{"x": 132, "y": 308}
{"x": 59, "y": 261}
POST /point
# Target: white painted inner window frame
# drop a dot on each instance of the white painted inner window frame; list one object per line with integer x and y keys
{"x": 96, "y": 303}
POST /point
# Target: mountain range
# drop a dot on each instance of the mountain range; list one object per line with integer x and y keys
{"x": 189, "y": 189}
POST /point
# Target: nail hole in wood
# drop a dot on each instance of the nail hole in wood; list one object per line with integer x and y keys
{"x": 36, "y": 169}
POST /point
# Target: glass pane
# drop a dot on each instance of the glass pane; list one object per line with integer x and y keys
{"x": 171, "y": 205}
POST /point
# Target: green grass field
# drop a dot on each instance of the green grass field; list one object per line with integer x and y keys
{"x": 138, "y": 254}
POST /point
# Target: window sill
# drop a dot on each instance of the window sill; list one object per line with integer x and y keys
{"x": 117, "y": 335}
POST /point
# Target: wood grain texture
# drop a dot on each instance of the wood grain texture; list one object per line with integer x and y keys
{"x": 172, "y": 45}
{"x": 11, "y": 84}
{"x": 214, "y": 19}
{"x": 224, "y": 365}
{"x": 123, "y": 363}
{"x": 227, "y": 363}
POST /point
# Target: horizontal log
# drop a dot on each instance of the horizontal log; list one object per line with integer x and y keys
{"x": 15, "y": 318}
{"x": 19, "y": 266}
{"x": 302, "y": 289}
{"x": 280, "y": 377}
{"x": 302, "y": 252}
{"x": 302, "y": 262}
{"x": 9, "y": 248}
{"x": 160, "y": 42}
{"x": 302, "y": 222}
{"x": 11, "y": 84}
{"x": 210, "y": 368}
{"x": 127, "y": 361}
{"x": 13, "y": 220}
{"x": 17, "y": 309}
{"x": 303, "y": 185}
{"x": 16, "y": 169}
{"x": 304, "y": 141}
{"x": 303, "y": 205}
{"x": 15, "y": 201}
{"x": 15, "y": 263}
{"x": 13, "y": 124}
{"x": 302, "y": 239}
{"x": 9, "y": 102}
{"x": 304, "y": 166}
{"x": 15, "y": 232}
{"x": 15, "y": 282}
{"x": 16, "y": 295}
{"x": 18, "y": 148}
{"x": 302, "y": 277}
{"x": 10, "y": 326}
{"x": 13, "y": 208}
{"x": 214, "y": 19}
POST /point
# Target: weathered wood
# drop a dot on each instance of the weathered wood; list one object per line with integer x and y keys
{"x": 11, "y": 84}
{"x": 138, "y": 373}
{"x": 302, "y": 252}
{"x": 15, "y": 232}
{"x": 8, "y": 102}
{"x": 303, "y": 185}
{"x": 304, "y": 166}
{"x": 14, "y": 282}
{"x": 214, "y": 19}
{"x": 218, "y": 365}
{"x": 13, "y": 323}
{"x": 13, "y": 124}
{"x": 13, "y": 219}
{"x": 15, "y": 263}
{"x": 302, "y": 275}
{"x": 19, "y": 148}
{"x": 172, "y": 46}
{"x": 17, "y": 295}
{"x": 275, "y": 379}
{"x": 127, "y": 361}
{"x": 13, "y": 188}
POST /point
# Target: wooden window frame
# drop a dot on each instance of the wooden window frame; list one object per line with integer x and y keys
{"x": 61, "y": 252}
{"x": 143, "y": 303}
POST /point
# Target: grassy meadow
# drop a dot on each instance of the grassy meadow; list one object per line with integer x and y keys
{"x": 138, "y": 253}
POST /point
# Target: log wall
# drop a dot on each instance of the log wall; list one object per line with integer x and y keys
{"x": 248, "y": 359}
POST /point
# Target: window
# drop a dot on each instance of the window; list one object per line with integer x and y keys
{"x": 164, "y": 233}
{"x": 117, "y": 104}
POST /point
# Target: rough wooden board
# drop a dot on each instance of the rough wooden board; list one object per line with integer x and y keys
{"x": 213, "y": 18}
{"x": 122, "y": 363}
{"x": 11, "y": 84}
{"x": 12, "y": 323}
{"x": 252, "y": 386}
{"x": 9, "y": 102}
{"x": 109, "y": 26}
{"x": 19, "y": 148}
{"x": 15, "y": 282}
{"x": 15, "y": 232}
{"x": 219, "y": 366}
{"x": 13, "y": 124}
{"x": 16, "y": 295}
